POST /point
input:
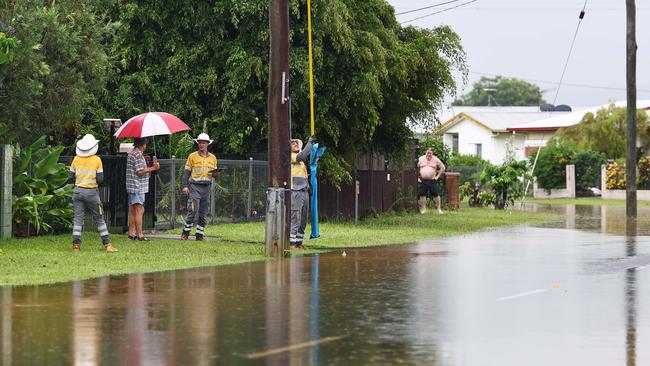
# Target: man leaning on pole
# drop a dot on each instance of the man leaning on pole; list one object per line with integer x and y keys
{"x": 200, "y": 167}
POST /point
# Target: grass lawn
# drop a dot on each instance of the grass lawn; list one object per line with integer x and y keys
{"x": 588, "y": 201}
{"x": 49, "y": 259}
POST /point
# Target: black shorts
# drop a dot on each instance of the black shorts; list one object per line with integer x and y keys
{"x": 429, "y": 188}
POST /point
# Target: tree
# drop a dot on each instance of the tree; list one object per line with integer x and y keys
{"x": 58, "y": 69}
{"x": 206, "y": 61}
{"x": 502, "y": 91}
{"x": 605, "y": 131}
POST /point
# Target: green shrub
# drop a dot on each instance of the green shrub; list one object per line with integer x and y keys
{"x": 506, "y": 182}
{"x": 41, "y": 194}
{"x": 466, "y": 160}
{"x": 644, "y": 173}
{"x": 438, "y": 147}
{"x": 550, "y": 169}
{"x": 587, "y": 165}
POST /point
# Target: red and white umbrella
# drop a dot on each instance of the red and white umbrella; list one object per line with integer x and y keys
{"x": 151, "y": 124}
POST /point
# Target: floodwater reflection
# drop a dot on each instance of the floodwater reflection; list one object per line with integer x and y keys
{"x": 515, "y": 296}
{"x": 605, "y": 219}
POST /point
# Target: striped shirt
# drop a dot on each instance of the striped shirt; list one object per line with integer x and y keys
{"x": 134, "y": 163}
{"x": 86, "y": 170}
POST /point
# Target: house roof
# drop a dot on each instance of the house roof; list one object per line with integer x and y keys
{"x": 497, "y": 120}
{"x": 568, "y": 119}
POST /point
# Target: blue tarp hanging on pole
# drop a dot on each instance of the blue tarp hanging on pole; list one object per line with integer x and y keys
{"x": 315, "y": 154}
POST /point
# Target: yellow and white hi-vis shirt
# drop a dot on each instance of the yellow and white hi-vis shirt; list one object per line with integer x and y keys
{"x": 200, "y": 167}
{"x": 298, "y": 173}
{"x": 85, "y": 169}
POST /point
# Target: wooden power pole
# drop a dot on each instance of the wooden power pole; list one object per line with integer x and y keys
{"x": 630, "y": 163}
{"x": 278, "y": 198}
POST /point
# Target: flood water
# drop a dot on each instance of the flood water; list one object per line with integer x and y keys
{"x": 576, "y": 292}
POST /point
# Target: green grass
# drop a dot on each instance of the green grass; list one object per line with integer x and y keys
{"x": 47, "y": 260}
{"x": 588, "y": 201}
{"x": 388, "y": 228}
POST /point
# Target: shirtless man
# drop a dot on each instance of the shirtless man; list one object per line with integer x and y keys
{"x": 428, "y": 179}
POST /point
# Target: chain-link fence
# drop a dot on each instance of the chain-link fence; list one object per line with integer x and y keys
{"x": 468, "y": 173}
{"x": 238, "y": 194}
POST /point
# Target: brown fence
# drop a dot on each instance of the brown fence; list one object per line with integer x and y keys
{"x": 380, "y": 190}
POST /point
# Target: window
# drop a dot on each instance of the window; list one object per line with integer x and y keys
{"x": 479, "y": 150}
{"x": 454, "y": 142}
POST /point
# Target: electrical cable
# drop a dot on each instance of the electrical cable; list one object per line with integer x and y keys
{"x": 575, "y": 35}
{"x": 439, "y": 11}
{"x": 426, "y": 7}
{"x": 556, "y": 83}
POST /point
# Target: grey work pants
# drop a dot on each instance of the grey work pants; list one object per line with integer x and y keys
{"x": 197, "y": 204}
{"x": 299, "y": 213}
{"x": 87, "y": 199}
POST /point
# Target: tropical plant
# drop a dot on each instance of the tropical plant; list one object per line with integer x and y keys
{"x": 41, "y": 194}
{"x": 505, "y": 181}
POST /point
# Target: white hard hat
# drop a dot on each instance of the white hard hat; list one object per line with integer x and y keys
{"x": 203, "y": 137}
{"x": 87, "y": 146}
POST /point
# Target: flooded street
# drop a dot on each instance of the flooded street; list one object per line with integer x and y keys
{"x": 574, "y": 292}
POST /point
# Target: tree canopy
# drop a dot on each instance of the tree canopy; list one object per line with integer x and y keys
{"x": 605, "y": 132}
{"x": 58, "y": 69}
{"x": 502, "y": 91}
{"x": 206, "y": 61}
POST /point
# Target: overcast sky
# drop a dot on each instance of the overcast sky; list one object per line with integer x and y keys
{"x": 530, "y": 39}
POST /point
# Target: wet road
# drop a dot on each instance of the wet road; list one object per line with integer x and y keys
{"x": 576, "y": 292}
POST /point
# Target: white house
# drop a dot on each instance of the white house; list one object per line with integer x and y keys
{"x": 489, "y": 132}
{"x": 484, "y": 131}
{"x": 539, "y": 132}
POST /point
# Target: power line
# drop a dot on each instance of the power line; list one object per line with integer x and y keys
{"x": 559, "y": 86}
{"x": 575, "y": 35}
{"x": 439, "y": 11}
{"x": 426, "y": 7}
{"x": 589, "y": 86}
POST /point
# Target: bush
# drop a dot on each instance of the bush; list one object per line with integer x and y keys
{"x": 615, "y": 176}
{"x": 587, "y": 165}
{"x": 438, "y": 147}
{"x": 644, "y": 173}
{"x": 41, "y": 194}
{"x": 505, "y": 182}
{"x": 550, "y": 169}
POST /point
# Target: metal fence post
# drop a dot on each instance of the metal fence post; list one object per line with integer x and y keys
{"x": 172, "y": 219}
{"x": 212, "y": 202}
{"x": 6, "y": 187}
{"x": 356, "y": 202}
{"x": 250, "y": 189}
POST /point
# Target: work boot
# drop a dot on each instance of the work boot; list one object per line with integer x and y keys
{"x": 185, "y": 235}
{"x": 110, "y": 248}
{"x": 76, "y": 247}
{"x": 199, "y": 237}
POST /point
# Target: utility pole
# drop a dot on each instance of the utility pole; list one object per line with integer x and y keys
{"x": 278, "y": 199}
{"x": 630, "y": 163}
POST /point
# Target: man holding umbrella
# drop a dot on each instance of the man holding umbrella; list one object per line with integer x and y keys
{"x": 200, "y": 167}
{"x": 137, "y": 185}
{"x": 139, "y": 128}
